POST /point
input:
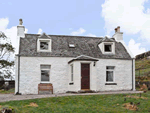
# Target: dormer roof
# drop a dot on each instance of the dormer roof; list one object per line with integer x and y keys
{"x": 44, "y": 36}
{"x": 106, "y": 39}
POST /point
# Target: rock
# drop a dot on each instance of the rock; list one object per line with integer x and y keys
{"x": 143, "y": 87}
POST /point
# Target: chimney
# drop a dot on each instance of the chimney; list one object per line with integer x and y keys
{"x": 20, "y": 29}
{"x": 118, "y": 35}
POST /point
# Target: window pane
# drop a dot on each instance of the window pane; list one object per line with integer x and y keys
{"x": 110, "y": 67}
{"x": 71, "y": 72}
{"x": 44, "y": 45}
{"x": 108, "y": 48}
{"x": 44, "y": 75}
{"x": 71, "y": 68}
{"x": 45, "y": 66}
{"x": 109, "y": 76}
{"x": 71, "y": 77}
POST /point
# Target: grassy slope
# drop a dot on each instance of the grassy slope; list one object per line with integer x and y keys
{"x": 81, "y": 104}
{"x": 143, "y": 63}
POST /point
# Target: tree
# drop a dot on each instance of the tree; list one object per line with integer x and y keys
{"x": 6, "y": 62}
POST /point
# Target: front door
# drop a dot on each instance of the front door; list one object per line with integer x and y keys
{"x": 85, "y": 76}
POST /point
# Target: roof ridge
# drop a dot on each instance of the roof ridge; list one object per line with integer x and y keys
{"x": 66, "y": 35}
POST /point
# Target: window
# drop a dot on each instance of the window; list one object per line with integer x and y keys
{"x": 108, "y": 48}
{"x": 44, "y": 45}
{"x": 72, "y": 72}
{"x": 110, "y": 73}
{"x": 45, "y": 73}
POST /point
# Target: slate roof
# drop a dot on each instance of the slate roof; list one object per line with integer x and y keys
{"x": 60, "y": 47}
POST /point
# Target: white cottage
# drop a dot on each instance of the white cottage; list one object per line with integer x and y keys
{"x": 73, "y": 63}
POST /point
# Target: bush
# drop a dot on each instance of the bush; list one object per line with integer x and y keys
{"x": 2, "y": 84}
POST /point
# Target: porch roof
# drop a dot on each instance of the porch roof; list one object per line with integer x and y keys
{"x": 83, "y": 58}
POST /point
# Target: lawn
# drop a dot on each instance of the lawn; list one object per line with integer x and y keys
{"x": 11, "y": 91}
{"x": 81, "y": 104}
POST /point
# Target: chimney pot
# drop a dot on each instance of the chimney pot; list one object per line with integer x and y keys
{"x": 115, "y": 30}
{"x": 20, "y": 21}
{"x": 118, "y": 29}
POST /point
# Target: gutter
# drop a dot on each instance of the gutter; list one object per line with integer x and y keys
{"x": 18, "y": 74}
{"x": 132, "y": 75}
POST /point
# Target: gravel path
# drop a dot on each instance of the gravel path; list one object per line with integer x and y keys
{"x": 10, "y": 97}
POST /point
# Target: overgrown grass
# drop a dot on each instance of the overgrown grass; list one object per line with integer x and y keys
{"x": 142, "y": 63}
{"x": 81, "y": 104}
{"x": 7, "y": 92}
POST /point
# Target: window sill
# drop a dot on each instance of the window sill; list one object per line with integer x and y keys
{"x": 44, "y": 82}
{"x": 71, "y": 83}
{"x": 110, "y": 83}
{"x": 108, "y": 53}
{"x": 43, "y": 50}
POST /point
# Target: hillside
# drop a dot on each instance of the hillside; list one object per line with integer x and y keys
{"x": 142, "y": 67}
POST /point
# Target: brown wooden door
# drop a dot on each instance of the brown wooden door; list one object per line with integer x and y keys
{"x": 85, "y": 76}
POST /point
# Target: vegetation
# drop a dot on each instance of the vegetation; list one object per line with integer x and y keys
{"x": 10, "y": 91}
{"x": 82, "y": 104}
{"x": 6, "y": 49}
{"x": 142, "y": 67}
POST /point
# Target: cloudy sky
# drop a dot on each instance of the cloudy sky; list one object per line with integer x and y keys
{"x": 80, "y": 17}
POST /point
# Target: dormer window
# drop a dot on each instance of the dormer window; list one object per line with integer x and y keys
{"x": 108, "y": 47}
{"x": 44, "y": 43}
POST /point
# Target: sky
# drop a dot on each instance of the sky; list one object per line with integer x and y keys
{"x": 80, "y": 17}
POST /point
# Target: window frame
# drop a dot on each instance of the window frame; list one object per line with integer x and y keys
{"x": 102, "y": 46}
{"x": 113, "y": 70}
{"x": 45, "y": 69}
{"x": 44, "y": 49}
{"x": 39, "y": 44}
{"x": 111, "y": 44}
{"x": 107, "y": 51}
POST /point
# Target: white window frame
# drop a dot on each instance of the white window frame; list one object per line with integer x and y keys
{"x": 44, "y": 40}
{"x": 113, "y": 74}
{"x": 71, "y": 73}
{"x": 45, "y": 69}
{"x": 112, "y": 48}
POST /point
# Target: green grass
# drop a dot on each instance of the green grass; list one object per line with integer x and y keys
{"x": 142, "y": 63}
{"x": 81, "y": 104}
{"x": 7, "y": 92}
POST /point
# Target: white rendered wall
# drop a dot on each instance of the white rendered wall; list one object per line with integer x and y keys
{"x": 123, "y": 74}
{"x": 30, "y": 74}
{"x": 60, "y": 77}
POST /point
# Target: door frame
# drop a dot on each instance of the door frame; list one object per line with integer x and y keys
{"x": 89, "y": 74}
